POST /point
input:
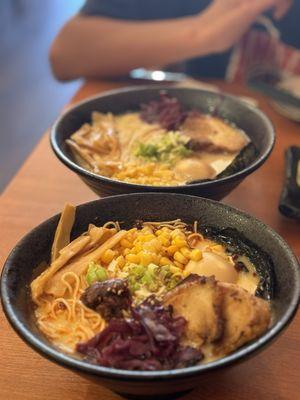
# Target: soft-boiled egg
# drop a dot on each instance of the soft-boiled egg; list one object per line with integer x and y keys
{"x": 192, "y": 168}
{"x": 213, "y": 264}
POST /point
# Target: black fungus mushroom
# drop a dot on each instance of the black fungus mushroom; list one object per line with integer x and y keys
{"x": 109, "y": 298}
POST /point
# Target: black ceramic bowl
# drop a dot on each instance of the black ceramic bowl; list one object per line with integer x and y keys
{"x": 34, "y": 248}
{"x": 253, "y": 121}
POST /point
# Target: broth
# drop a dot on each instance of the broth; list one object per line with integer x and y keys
{"x": 127, "y": 147}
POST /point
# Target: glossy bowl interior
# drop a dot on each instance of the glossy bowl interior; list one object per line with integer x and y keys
{"x": 34, "y": 248}
{"x": 253, "y": 121}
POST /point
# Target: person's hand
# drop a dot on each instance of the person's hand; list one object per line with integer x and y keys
{"x": 257, "y": 7}
{"x": 282, "y": 8}
{"x": 229, "y": 20}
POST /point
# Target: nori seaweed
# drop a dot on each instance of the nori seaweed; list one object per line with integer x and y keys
{"x": 245, "y": 157}
{"x": 237, "y": 243}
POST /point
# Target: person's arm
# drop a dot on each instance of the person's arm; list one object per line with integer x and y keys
{"x": 101, "y": 47}
{"x": 96, "y": 46}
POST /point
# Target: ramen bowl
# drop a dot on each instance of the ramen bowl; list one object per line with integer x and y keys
{"x": 250, "y": 119}
{"x": 21, "y": 265}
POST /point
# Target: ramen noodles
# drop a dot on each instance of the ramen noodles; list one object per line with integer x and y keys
{"x": 161, "y": 144}
{"x": 157, "y": 295}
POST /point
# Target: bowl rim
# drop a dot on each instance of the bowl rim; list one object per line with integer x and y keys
{"x": 139, "y": 187}
{"x": 53, "y": 354}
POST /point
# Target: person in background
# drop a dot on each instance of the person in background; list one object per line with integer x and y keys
{"x": 111, "y": 37}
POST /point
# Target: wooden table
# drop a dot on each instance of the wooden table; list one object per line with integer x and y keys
{"x": 40, "y": 189}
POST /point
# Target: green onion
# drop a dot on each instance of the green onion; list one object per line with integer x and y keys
{"x": 152, "y": 277}
{"x": 147, "y": 151}
{"x": 168, "y": 147}
{"x": 101, "y": 274}
{"x": 95, "y": 273}
{"x": 91, "y": 277}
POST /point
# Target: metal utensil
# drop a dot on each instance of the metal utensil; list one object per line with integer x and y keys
{"x": 157, "y": 75}
{"x": 179, "y": 78}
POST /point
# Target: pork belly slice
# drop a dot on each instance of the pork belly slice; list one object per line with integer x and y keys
{"x": 199, "y": 300}
{"x": 246, "y": 317}
{"x": 222, "y": 315}
{"x": 213, "y": 134}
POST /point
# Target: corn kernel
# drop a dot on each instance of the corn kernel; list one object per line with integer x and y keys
{"x": 175, "y": 270}
{"x": 178, "y": 264}
{"x": 179, "y": 241}
{"x": 180, "y": 258}
{"x": 146, "y": 237}
{"x": 158, "y": 232}
{"x": 165, "y": 261}
{"x": 136, "y": 248}
{"x": 120, "y": 261}
{"x": 177, "y": 232}
{"x": 145, "y": 258}
{"x": 149, "y": 237}
{"x": 131, "y": 236}
{"x": 133, "y": 250}
{"x": 148, "y": 169}
{"x": 146, "y": 230}
{"x": 126, "y": 251}
{"x": 107, "y": 256}
{"x": 138, "y": 245}
{"x": 171, "y": 250}
{"x": 185, "y": 252}
{"x": 133, "y": 258}
{"x": 163, "y": 240}
{"x": 148, "y": 247}
{"x": 196, "y": 255}
{"x": 155, "y": 258}
{"x": 152, "y": 246}
{"x": 167, "y": 234}
{"x": 125, "y": 243}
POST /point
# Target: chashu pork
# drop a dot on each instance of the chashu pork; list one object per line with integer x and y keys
{"x": 246, "y": 317}
{"x": 214, "y": 135}
{"x": 199, "y": 300}
{"x": 221, "y": 315}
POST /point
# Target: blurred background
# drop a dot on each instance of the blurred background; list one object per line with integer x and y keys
{"x": 265, "y": 55}
{"x": 27, "y": 88}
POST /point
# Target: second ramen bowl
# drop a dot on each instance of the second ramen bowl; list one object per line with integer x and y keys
{"x": 35, "y": 248}
{"x": 253, "y": 121}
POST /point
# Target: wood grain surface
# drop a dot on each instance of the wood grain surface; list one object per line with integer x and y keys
{"x": 41, "y": 188}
